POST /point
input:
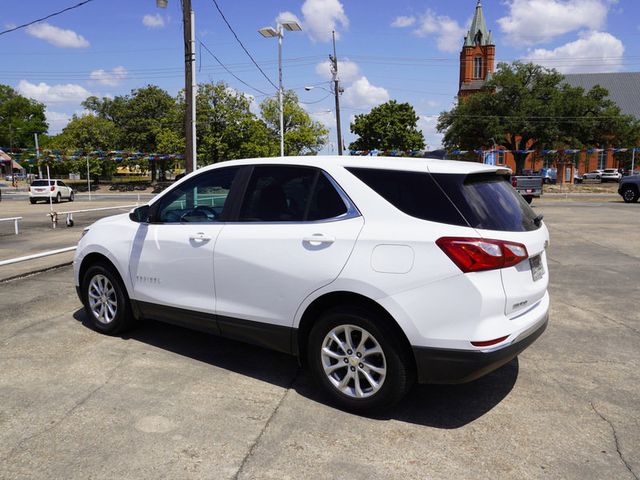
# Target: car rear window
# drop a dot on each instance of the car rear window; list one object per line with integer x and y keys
{"x": 483, "y": 201}
{"x": 41, "y": 183}
{"x": 488, "y": 201}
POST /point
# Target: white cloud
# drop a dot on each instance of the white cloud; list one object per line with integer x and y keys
{"x": 537, "y": 21}
{"x": 57, "y": 36}
{"x": 402, "y": 21}
{"x": 42, "y": 92}
{"x": 321, "y": 17}
{"x": 57, "y": 121}
{"x": 432, "y": 138}
{"x": 347, "y": 70}
{"x": 112, "y": 78}
{"x": 153, "y": 21}
{"x": 361, "y": 94}
{"x": 449, "y": 34}
{"x": 592, "y": 52}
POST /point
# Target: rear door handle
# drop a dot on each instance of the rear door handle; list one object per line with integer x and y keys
{"x": 199, "y": 236}
{"x": 319, "y": 238}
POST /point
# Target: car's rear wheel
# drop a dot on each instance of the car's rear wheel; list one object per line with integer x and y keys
{"x": 58, "y": 198}
{"x": 630, "y": 194}
{"x": 528, "y": 199}
{"x": 358, "y": 361}
{"x": 71, "y": 197}
{"x": 32, "y": 200}
{"x": 105, "y": 300}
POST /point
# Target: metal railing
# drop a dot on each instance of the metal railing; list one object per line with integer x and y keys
{"x": 69, "y": 214}
{"x": 15, "y": 222}
{"x": 36, "y": 255}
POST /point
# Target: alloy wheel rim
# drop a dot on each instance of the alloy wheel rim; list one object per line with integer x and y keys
{"x": 353, "y": 361}
{"x": 103, "y": 302}
{"x": 628, "y": 194}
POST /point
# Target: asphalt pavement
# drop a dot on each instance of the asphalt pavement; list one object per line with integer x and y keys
{"x": 166, "y": 402}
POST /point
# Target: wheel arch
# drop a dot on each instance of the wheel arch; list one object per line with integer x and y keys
{"x": 96, "y": 257}
{"x": 344, "y": 298}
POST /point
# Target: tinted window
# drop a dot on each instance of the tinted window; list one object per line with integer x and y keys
{"x": 488, "y": 201}
{"x": 414, "y": 193}
{"x": 61, "y": 183}
{"x": 201, "y": 199}
{"x": 326, "y": 202}
{"x": 40, "y": 183}
{"x": 277, "y": 194}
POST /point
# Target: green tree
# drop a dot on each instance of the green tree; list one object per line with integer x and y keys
{"x": 390, "y": 126}
{"x": 302, "y": 136}
{"x": 86, "y": 132}
{"x": 526, "y": 106}
{"x": 20, "y": 118}
{"x": 226, "y": 127}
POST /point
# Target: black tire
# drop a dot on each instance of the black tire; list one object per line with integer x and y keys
{"x": 528, "y": 199}
{"x": 395, "y": 360}
{"x": 112, "y": 323}
{"x": 32, "y": 200}
{"x": 630, "y": 194}
{"x": 72, "y": 196}
{"x": 58, "y": 198}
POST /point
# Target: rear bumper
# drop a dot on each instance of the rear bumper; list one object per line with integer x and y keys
{"x": 436, "y": 365}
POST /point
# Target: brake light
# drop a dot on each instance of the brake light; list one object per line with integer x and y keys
{"x": 53, "y": 188}
{"x": 514, "y": 181}
{"x": 478, "y": 254}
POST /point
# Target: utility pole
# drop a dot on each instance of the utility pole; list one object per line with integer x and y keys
{"x": 38, "y": 156}
{"x": 336, "y": 91}
{"x": 189, "y": 86}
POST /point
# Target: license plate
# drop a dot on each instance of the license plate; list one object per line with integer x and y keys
{"x": 537, "y": 268}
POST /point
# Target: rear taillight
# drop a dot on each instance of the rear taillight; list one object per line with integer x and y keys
{"x": 53, "y": 188}
{"x": 514, "y": 181}
{"x": 477, "y": 254}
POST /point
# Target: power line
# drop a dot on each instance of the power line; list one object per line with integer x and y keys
{"x": 242, "y": 45}
{"x": 45, "y": 18}
{"x": 202, "y": 44}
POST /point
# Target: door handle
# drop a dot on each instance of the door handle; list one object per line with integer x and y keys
{"x": 199, "y": 236}
{"x": 319, "y": 238}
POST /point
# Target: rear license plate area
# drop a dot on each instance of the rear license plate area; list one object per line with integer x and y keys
{"x": 537, "y": 268}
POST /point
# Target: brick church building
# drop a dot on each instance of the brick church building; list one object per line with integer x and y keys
{"x": 477, "y": 63}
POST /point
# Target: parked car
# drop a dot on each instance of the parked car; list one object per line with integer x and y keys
{"x": 52, "y": 189}
{"x": 611, "y": 175}
{"x": 375, "y": 272}
{"x": 529, "y": 186}
{"x": 629, "y": 188}
{"x": 593, "y": 175}
{"x": 549, "y": 175}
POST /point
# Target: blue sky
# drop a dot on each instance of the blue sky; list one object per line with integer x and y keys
{"x": 405, "y": 50}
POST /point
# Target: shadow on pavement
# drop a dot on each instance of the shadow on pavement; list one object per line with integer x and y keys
{"x": 438, "y": 406}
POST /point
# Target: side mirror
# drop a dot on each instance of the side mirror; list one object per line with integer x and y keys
{"x": 140, "y": 214}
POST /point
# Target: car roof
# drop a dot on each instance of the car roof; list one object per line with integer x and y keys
{"x": 390, "y": 163}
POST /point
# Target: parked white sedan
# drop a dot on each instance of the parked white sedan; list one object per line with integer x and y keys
{"x": 52, "y": 189}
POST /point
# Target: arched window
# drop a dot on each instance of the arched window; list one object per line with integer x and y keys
{"x": 477, "y": 67}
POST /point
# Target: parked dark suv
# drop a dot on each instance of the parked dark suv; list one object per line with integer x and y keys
{"x": 629, "y": 188}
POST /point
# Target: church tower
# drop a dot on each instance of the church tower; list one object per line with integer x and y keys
{"x": 477, "y": 56}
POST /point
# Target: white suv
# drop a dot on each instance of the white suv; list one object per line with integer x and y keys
{"x": 375, "y": 272}
{"x": 54, "y": 190}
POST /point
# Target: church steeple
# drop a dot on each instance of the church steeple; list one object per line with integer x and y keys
{"x": 477, "y": 55}
{"x": 478, "y": 32}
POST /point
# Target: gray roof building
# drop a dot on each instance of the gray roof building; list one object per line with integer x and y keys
{"x": 623, "y": 87}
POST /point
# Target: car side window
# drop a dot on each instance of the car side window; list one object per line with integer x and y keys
{"x": 290, "y": 194}
{"x": 201, "y": 199}
{"x": 61, "y": 184}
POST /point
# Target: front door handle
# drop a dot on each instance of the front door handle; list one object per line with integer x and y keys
{"x": 319, "y": 238}
{"x": 199, "y": 236}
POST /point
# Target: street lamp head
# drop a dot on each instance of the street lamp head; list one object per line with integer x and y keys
{"x": 309, "y": 88}
{"x": 162, "y": 3}
{"x": 291, "y": 26}
{"x": 268, "y": 32}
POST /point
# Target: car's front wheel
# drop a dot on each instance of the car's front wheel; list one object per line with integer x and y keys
{"x": 105, "y": 300}
{"x": 358, "y": 360}
{"x": 630, "y": 194}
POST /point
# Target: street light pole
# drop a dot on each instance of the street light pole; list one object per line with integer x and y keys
{"x": 270, "y": 32}
{"x": 336, "y": 91}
